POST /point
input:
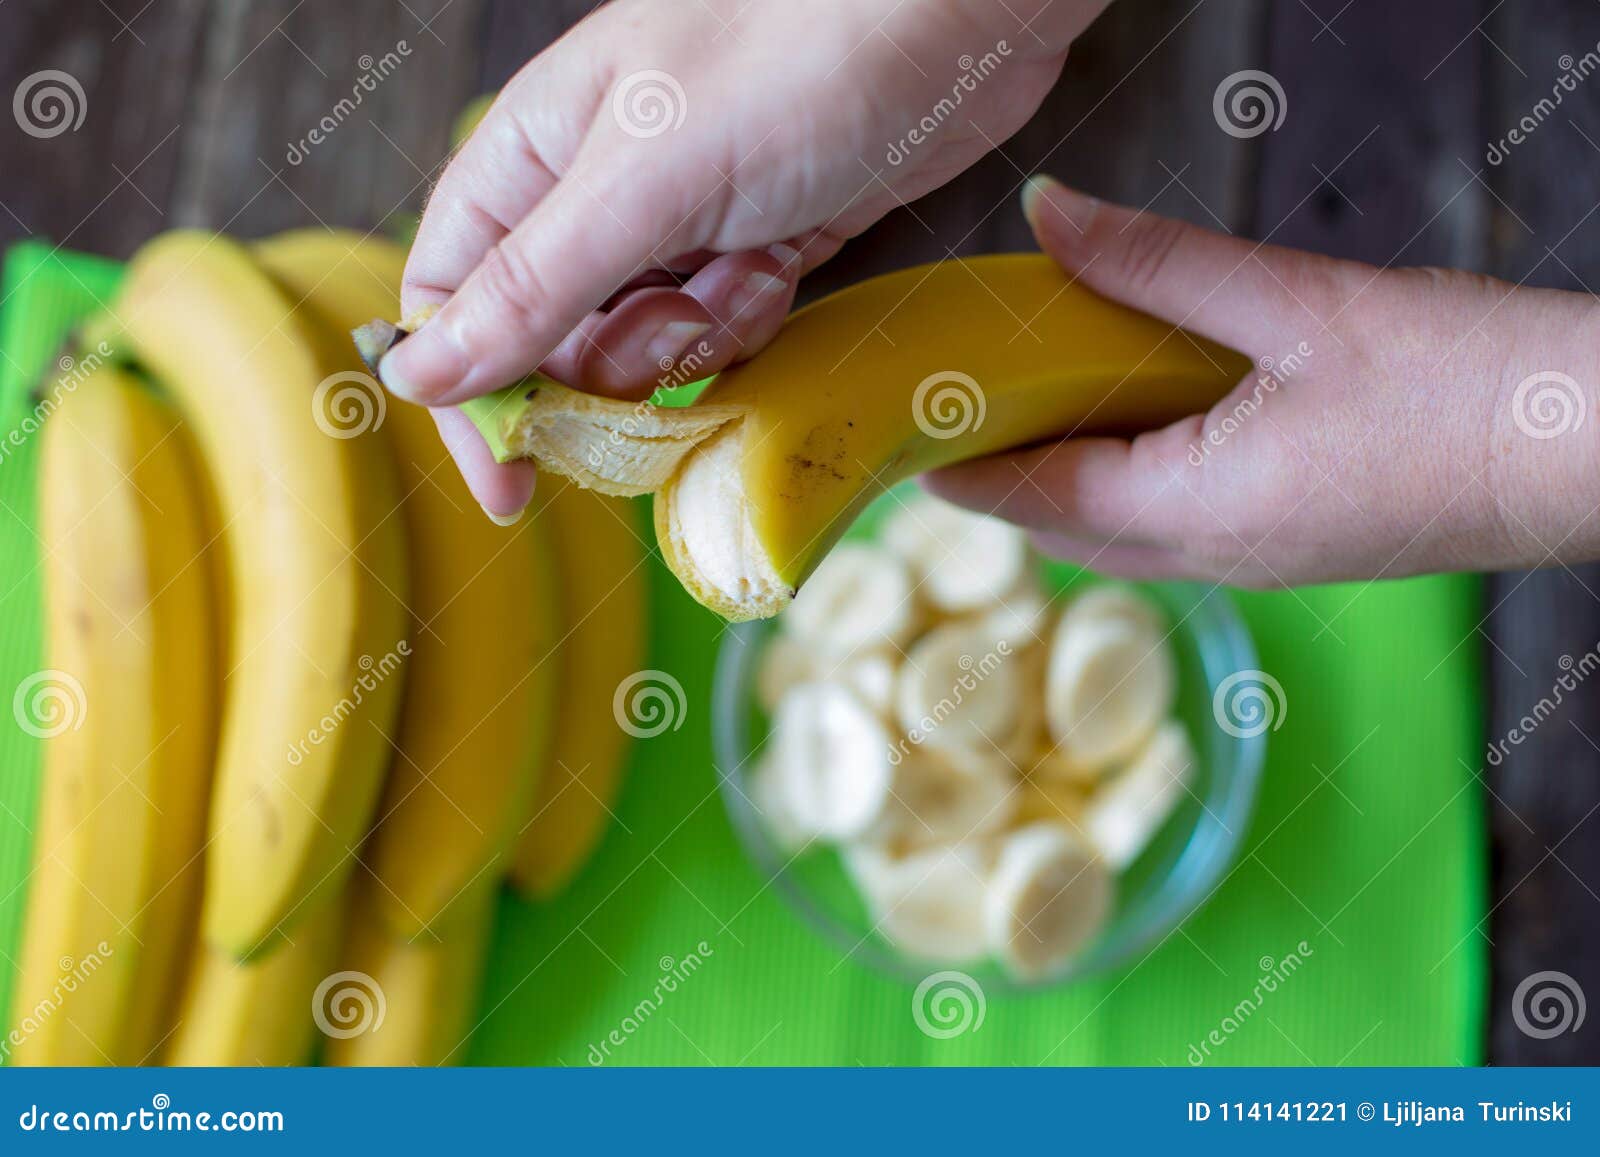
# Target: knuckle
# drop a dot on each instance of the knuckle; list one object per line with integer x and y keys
{"x": 510, "y": 281}
{"x": 1148, "y": 247}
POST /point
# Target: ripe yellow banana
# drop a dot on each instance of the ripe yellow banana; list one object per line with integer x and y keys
{"x": 430, "y": 986}
{"x": 900, "y": 374}
{"x": 604, "y": 588}
{"x": 128, "y": 710}
{"x": 258, "y": 1012}
{"x": 316, "y": 574}
{"x": 480, "y": 707}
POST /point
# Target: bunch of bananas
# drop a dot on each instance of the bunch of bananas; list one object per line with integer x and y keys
{"x": 326, "y": 706}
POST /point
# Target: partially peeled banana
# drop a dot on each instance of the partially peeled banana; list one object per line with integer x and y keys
{"x": 759, "y": 477}
{"x": 1021, "y": 755}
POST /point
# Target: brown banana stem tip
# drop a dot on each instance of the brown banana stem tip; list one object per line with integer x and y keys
{"x": 377, "y": 338}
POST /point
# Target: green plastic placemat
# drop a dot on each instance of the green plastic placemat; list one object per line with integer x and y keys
{"x": 1368, "y": 846}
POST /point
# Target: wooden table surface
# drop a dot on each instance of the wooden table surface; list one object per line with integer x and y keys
{"x": 192, "y": 106}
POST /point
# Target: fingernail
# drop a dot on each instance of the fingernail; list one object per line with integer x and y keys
{"x": 1053, "y": 208}
{"x": 424, "y": 367}
{"x": 784, "y": 255}
{"x": 669, "y": 342}
{"x": 504, "y": 519}
{"x": 755, "y": 291}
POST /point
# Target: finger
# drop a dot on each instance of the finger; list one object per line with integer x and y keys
{"x": 580, "y": 243}
{"x": 1240, "y": 293}
{"x": 1105, "y": 489}
{"x": 725, "y": 312}
{"x": 493, "y": 181}
{"x": 503, "y": 490}
{"x": 1140, "y": 563}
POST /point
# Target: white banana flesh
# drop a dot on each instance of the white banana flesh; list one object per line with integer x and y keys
{"x": 929, "y": 903}
{"x": 703, "y": 513}
{"x": 960, "y": 688}
{"x": 858, "y": 598}
{"x": 1110, "y": 682}
{"x": 947, "y": 797}
{"x": 831, "y": 755}
{"x": 962, "y": 561}
{"x": 1048, "y": 895}
{"x": 1130, "y": 807}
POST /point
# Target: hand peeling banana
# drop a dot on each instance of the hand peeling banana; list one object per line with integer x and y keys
{"x": 758, "y": 478}
{"x": 984, "y": 759}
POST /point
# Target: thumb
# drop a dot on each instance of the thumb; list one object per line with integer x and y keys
{"x": 584, "y": 240}
{"x": 1244, "y": 294}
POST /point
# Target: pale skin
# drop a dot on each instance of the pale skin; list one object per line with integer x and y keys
{"x": 1393, "y": 441}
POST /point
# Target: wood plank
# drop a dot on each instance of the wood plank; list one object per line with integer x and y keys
{"x": 1546, "y": 826}
{"x": 514, "y": 32}
{"x": 325, "y": 113}
{"x": 105, "y": 185}
{"x": 1127, "y": 115}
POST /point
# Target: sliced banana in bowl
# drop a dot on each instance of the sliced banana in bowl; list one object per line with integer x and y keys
{"x": 969, "y": 758}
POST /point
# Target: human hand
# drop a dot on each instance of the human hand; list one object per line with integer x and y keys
{"x": 1401, "y": 420}
{"x": 732, "y": 144}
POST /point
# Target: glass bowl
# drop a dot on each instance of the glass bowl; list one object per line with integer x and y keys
{"x": 1174, "y": 875}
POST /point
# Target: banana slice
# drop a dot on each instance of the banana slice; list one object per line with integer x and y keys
{"x": 959, "y": 688}
{"x": 831, "y": 757}
{"x": 1110, "y": 681}
{"x": 765, "y": 790}
{"x": 1030, "y": 732}
{"x": 872, "y": 677}
{"x": 1048, "y": 896}
{"x": 859, "y": 598}
{"x": 946, "y": 797}
{"x": 962, "y": 561}
{"x": 930, "y": 903}
{"x": 1117, "y": 602}
{"x": 1022, "y": 618}
{"x": 1126, "y": 812}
